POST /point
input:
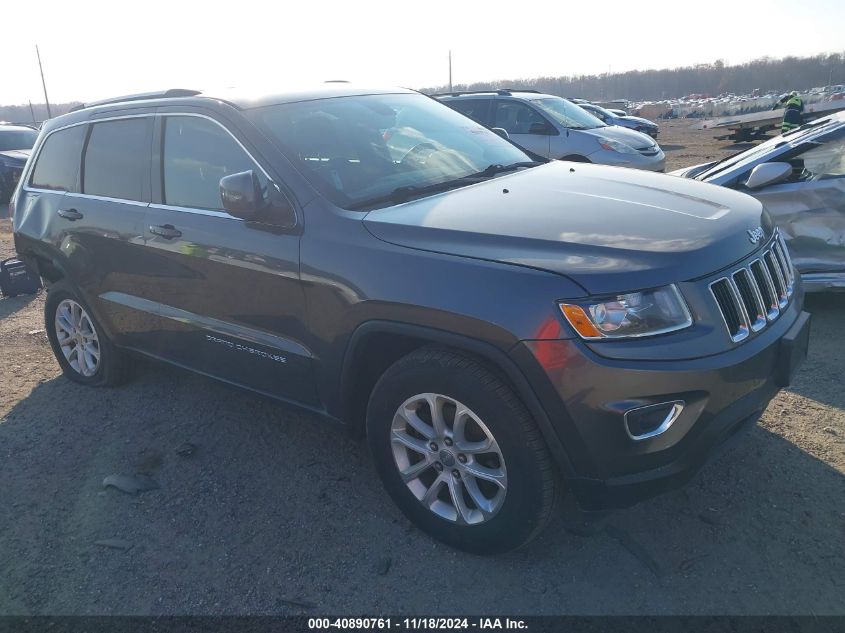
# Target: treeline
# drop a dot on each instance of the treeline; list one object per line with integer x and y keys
{"x": 23, "y": 114}
{"x": 764, "y": 74}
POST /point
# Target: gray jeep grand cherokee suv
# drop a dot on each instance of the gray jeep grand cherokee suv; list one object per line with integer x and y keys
{"x": 496, "y": 327}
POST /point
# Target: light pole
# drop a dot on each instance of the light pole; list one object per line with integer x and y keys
{"x": 43, "y": 83}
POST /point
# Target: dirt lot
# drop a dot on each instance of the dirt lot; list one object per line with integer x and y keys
{"x": 276, "y": 512}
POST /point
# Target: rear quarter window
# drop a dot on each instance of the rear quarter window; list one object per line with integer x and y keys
{"x": 57, "y": 165}
{"x": 475, "y": 109}
{"x": 117, "y": 159}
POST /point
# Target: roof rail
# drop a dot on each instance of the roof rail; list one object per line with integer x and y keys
{"x": 536, "y": 92}
{"x": 499, "y": 91}
{"x": 142, "y": 96}
{"x": 457, "y": 93}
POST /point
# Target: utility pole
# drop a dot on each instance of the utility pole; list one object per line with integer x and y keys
{"x": 43, "y": 83}
{"x": 32, "y": 113}
{"x": 450, "y": 70}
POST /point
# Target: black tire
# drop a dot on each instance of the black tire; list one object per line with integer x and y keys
{"x": 531, "y": 479}
{"x": 112, "y": 367}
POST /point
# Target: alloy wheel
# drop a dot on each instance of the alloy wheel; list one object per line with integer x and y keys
{"x": 77, "y": 338}
{"x": 448, "y": 458}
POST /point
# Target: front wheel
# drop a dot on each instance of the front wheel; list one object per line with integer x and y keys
{"x": 79, "y": 343}
{"x": 459, "y": 453}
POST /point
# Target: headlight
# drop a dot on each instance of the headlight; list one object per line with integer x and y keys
{"x": 616, "y": 146}
{"x": 633, "y": 314}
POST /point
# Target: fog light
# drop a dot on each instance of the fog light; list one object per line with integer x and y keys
{"x": 645, "y": 422}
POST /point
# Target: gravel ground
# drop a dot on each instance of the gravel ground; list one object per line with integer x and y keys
{"x": 262, "y": 509}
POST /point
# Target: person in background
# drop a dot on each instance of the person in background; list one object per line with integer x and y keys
{"x": 792, "y": 114}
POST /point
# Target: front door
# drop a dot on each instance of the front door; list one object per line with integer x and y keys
{"x": 231, "y": 301}
{"x": 525, "y": 126}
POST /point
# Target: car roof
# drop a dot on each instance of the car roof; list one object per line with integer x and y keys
{"x": 501, "y": 92}
{"x": 246, "y": 98}
{"x": 238, "y": 98}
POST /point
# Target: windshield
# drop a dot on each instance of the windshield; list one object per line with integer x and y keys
{"x": 17, "y": 139}
{"x": 359, "y": 149}
{"x": 743, "y": 158}
{"x": 568, "y": 114}
{"x": 603, "y": 111}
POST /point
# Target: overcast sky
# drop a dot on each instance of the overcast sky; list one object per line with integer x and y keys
{"x": 92, "y": 49}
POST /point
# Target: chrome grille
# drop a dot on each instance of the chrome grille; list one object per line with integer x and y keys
{"x": 755, "y": 294}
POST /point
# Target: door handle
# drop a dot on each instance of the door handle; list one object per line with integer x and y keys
{"x": 70, "y": 214}
{"x": 167, "y": 231}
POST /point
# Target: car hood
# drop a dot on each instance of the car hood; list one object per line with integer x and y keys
{"x": 609, "y": 229}
{"x": 635, "y": 139}
{"x": 18, "y": 155}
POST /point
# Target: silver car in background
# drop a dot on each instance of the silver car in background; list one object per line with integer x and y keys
{"x": 800, "y": 178}
{"x": 556, "y": 128}
{"x": 613, "y": 117}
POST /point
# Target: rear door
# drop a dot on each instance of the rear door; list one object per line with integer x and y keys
{"x": 232, "y": 304}
{"x": 39, "y": 228}
{"x": 97, "y": 225}
{"x": 105, "y": 221}
{"x": 476, "y": 109}
{"x": 525, "y": 125}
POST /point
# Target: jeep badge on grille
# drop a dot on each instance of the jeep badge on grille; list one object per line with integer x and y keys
{"x": 755, "y": 235}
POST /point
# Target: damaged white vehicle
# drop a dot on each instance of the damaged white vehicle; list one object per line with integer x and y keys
{"x": 800, "y": 178}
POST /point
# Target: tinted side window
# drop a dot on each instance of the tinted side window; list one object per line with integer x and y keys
{"x": 117, "y": 159}
{"x": 516, "y": 117}
{"x": 475, "y": 109}
{"x": 826, "y": 160}
{"x": 197, "y": 153}
{"x": 58, "y": 161}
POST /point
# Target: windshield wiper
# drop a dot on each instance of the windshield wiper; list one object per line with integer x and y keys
{"x": 408, "y": 192}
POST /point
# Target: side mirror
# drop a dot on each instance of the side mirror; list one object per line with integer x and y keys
{"x": 241, "y": 194}
{"x": 768, "y": 174}
{"x": 539, "y": 128}
{"x": 502, "y": 132}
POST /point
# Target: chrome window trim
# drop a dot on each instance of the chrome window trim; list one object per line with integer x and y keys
{"x": 669, "y": 420}
{"x": 25, "y": 178}
{"x": 227, "y": 130}
{"x": 196, "y": 211}
{"x": 91, "y": 196}
{"x": 215, "y": 213}
{"x": 159, "y": 206}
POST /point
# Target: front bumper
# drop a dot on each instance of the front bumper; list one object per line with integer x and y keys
{"x": 655, "y": 162}
{"x": 722, "y": 394}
